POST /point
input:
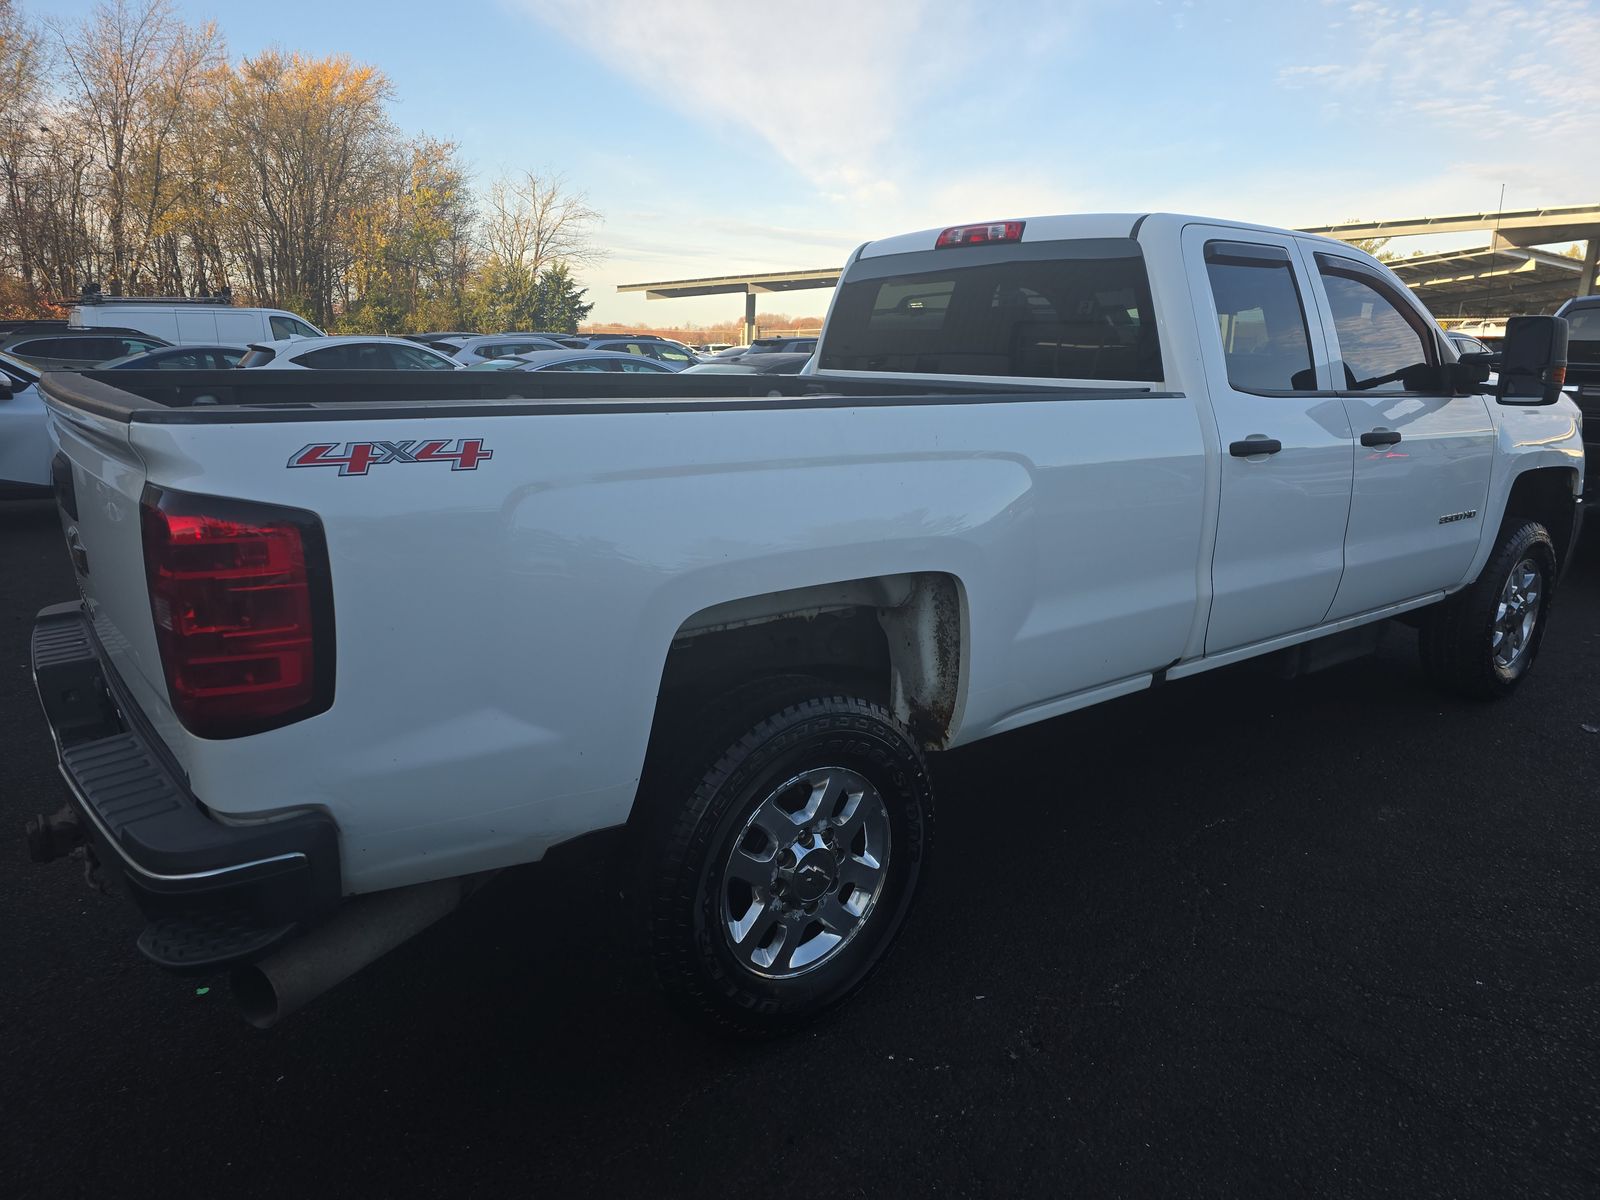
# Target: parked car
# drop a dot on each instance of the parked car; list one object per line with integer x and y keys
{"x": 769, "y": 345}
{"x": 1582, "y": 314}
{"x": 1465, "y": 343}
{"x": 784, "y": 345}
{"x": 483, "y": 347}
{"x": 24, "y": 441}
{"x": 672, "y": 354}
{"x": 753, "y": 364}
{"x": 180, "y": 358}
{"x": 183, "y": 322}
{"x": 77, "y": 351}
{"x": 364, "y": 653}
{"x": 575, "y": 360}
{"x": 346, "y": 354}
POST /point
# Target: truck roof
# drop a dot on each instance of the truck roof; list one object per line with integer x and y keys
{"x": 1061, "y": 227}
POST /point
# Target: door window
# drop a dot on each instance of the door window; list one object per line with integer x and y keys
{"x": 189, "y": 360}
{"x": 642, "y": 367}
{"x": 586, "y": 364}
{"x": 336, "y": 358}
{"x": 290, "y": 327}
{"x": 1385, "y": 345}
{"x": 671, "y": 354}
{"x": 407, "y": 358}
{"x": 1266, "y": 341}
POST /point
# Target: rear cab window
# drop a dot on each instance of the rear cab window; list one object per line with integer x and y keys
{"x": 1072, "y": 309}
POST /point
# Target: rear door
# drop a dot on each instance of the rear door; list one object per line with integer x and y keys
{"x": 1423, "y": 455}
{"x": 1286, "y": 467}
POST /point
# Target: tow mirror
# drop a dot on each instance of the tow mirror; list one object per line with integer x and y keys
{"x": 1533, "y": 361}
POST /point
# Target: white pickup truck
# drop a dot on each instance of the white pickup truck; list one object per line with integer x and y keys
{"x": 348, "y": 643}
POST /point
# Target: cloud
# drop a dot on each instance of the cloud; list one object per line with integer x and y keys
{"x": 826, "y": 86}
{"x": 1512, "y": 82}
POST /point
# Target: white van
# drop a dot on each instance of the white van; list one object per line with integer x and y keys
{"x": 192, "y": 322}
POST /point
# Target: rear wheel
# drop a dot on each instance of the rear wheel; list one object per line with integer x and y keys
{"x": 779, "y": 871}
{"x": 1482, "y": 642}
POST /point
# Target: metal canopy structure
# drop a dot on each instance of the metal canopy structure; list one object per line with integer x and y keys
{"x": 750, "y": 286}
{"x": 1497, "y": 278}
{"x": 1509, "y": 275}
{"x": 1525, "y": 227}
{"x": 1483, "y": 282}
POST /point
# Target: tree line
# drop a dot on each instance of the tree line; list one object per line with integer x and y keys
{"x": 138, "y": 156}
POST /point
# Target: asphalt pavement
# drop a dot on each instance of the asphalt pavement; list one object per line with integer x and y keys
{"x": 1239, "y": 936}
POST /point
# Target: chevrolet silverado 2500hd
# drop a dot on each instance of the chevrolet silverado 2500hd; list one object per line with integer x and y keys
{"x": 349, "y": 642}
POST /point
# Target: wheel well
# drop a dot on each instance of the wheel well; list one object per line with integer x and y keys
{"x": 1546, "y": 495}
{"x": 896, "y": 639}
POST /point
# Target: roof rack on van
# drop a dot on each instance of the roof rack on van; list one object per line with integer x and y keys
{"x": 91, "y": 294}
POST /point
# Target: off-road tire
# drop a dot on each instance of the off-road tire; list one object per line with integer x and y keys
{"x": 698, "y": 803}
{"x": 1456, "y": 639}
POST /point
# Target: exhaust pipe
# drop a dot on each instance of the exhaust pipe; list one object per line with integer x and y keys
{"x": 363, "y": 931}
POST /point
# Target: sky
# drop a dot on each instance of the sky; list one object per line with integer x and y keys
{"x": 719, "y": 137}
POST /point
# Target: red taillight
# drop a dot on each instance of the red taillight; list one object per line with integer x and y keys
{"x": 979, "y": 235}
{"x": 242, "y": 609}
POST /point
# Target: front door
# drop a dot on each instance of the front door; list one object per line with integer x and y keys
{"x": 1286, "y": 464}
{"x": 1422, "y": 454}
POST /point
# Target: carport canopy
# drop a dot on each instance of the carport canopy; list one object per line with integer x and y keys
{"x": 1509, "y": 275}
{"x": 750, "y": 286}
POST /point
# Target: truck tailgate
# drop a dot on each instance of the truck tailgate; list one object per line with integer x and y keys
{"x": 98, "y": 491}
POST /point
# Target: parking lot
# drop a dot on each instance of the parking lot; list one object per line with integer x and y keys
{"x": 1336, "y": 936}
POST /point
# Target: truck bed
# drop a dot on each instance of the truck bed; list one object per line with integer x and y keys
{"x": 243, "y": 396}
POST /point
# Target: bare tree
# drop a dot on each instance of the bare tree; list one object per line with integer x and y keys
{"x": 534, "y": 221}
{"x": 130, "y": 71}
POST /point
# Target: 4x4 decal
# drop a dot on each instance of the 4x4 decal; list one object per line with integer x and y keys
{"x": 357, "y": 458}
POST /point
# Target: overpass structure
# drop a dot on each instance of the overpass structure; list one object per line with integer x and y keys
{"x": 1510, "y": 275}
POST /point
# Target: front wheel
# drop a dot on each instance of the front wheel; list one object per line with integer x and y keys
{"x": 1481, "y": 642}
{"x": 784, "y": 869}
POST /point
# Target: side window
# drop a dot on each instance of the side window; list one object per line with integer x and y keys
{"x": 409, "y": 359}
{"x": 1385, "y": 345}
{"x": 329, "y": 358}
{"x": 640, "y": 368}
{"x": 182, "y": 362}
{"x": 1266, "y": 341}
{"x": 587, "y": 364}
{"x": 289, "y": 327}
{"x": 671, "y": 354}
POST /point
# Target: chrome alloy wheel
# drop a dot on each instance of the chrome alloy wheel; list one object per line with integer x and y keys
{"x": 1516, "y": 615}
{"x": 804, "y": 872}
